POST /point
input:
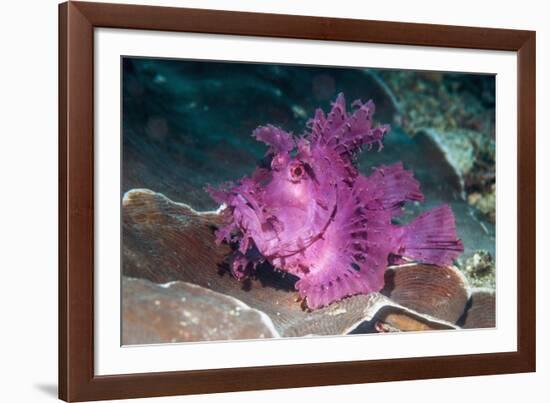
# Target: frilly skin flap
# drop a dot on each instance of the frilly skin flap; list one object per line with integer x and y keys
{"x": 311, "y": 213}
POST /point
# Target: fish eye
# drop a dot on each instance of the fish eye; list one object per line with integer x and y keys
{"x": 297, "y": 172}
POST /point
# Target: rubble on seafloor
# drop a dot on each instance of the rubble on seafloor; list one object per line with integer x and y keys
{"x": 459, "y": 116}
{"x": 479, "y": 268}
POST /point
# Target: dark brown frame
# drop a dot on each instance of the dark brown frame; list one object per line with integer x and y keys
{"x": 77, "y": 21}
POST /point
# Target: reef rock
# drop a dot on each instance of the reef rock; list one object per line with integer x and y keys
{"x": 172, "y": 245}
{"x": 481, "y": 310}
{"x": 441, "y": 292}
{"x": 183, "y": 312}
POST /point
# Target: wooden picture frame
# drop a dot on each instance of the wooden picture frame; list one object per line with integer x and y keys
{"x": 77, "y": 21}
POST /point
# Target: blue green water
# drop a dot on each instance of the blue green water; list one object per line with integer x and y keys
{"x": 189, "y": 123}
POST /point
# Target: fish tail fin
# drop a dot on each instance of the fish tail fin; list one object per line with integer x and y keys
{"x": 431, "y": 238}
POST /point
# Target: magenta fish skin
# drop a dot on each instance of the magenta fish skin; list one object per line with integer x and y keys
{"x": 313, "y": 214}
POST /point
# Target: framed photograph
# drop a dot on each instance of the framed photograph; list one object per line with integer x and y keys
{"x": 253, "y": 201}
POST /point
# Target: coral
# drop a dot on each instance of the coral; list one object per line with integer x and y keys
{"x": 158, "y": 249}
{"x": 485, "y": 202}
{"x": 479, "y": 268}
{"x": 308, "y": 211}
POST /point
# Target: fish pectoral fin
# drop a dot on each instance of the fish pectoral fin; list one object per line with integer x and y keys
{"x": 322, "y": 288}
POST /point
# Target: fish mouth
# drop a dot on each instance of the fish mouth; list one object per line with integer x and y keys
{"x": 288, "y": 249}
{"x": 274, "y": 245}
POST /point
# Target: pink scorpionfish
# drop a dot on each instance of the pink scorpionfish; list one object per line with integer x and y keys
{"x": 311, "y": 213}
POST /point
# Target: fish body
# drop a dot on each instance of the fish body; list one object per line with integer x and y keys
{"x": 310, "y": 212}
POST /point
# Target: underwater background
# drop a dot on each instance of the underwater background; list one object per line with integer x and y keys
{"x": 186, "y": 124}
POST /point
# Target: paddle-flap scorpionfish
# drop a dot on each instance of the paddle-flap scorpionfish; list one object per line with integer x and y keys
{"x": 311, "y": 213}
